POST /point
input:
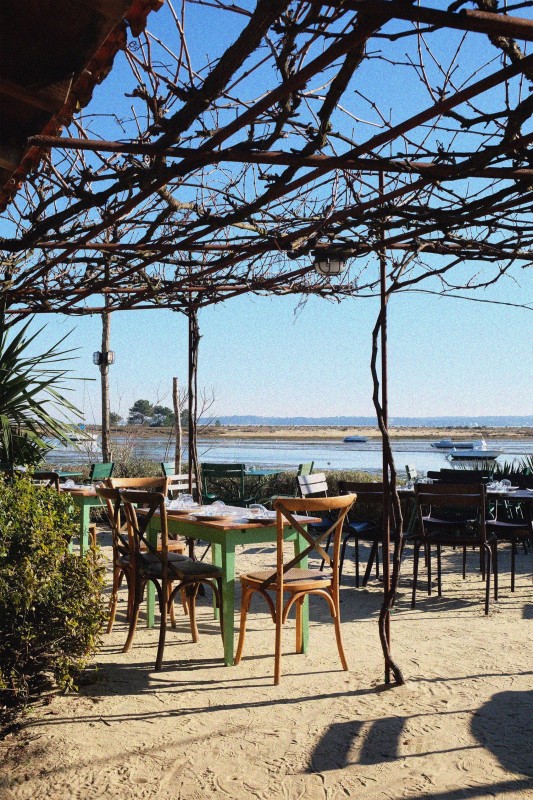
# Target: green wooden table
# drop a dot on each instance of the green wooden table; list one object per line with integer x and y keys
{"x": 84, "y": 498}
{"x": 224, "y": 538}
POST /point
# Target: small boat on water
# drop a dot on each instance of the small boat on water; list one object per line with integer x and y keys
{"x": 448, "y": 444}
{"x": 355, "y": 439}
{"x": 479, "y": 452}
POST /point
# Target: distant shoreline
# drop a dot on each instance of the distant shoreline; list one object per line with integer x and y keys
{"x": 320, "y": 432}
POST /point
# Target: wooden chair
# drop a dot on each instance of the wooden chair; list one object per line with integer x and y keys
{"x": 165, "y": 570}
{"x": 303, "y": 469}
{"x": 119, "y": 540}
{"x": 100, "y": 472}
{"x": 453, "y": 515}
{"x": 289, "y": 578}
{"x": 369, "y": 502}
{"x": 179, "y": 484}
{"x": 411, "y": 472}
{"x": 234, "y": 474}
{"x": 314, "y": 486}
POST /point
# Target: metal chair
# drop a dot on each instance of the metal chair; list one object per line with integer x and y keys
{"x": 100, "y": 472}
{"x": 454, "y": 515}
{"x": 234, "y": 477}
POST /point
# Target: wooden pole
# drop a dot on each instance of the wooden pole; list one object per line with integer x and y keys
{"x": 385, "y": 408}
{"x": 177, "y": 425}
{"x": 194, "y": 341}
{"x": 104, "y": 375}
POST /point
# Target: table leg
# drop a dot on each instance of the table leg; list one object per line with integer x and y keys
{"x": 85, "y": 519}
{"x": 228, "y": 598}
{"x": 216, "y": 557}
{"x": 299, "y": 545}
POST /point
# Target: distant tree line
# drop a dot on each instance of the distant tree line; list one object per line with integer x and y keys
{"x": 143, "y": 412}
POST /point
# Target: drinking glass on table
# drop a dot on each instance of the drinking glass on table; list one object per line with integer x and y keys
{"x": 257, "y": 510}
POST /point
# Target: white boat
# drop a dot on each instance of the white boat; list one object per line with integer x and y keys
{"x": 355, "y": 439}
{"x": 479, "y": 452}
{"x": 448, "y": 444}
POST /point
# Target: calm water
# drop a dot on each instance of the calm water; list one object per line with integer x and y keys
{"x": 327, "y": 454}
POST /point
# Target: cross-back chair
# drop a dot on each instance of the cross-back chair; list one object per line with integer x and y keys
{"x": 295, "y": 581}
{"x": 117, "y": 523}
{"x": 169, "y": 573}
{"x": 454, "y": 515}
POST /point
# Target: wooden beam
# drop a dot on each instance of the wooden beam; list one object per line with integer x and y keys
{"x": 9, "y": 157}
{"x": 43, "y": 99}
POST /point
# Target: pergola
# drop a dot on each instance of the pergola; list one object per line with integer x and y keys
{"x": 351, "y": 133}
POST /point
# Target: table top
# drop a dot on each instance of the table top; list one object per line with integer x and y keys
{"x": 237, "y": 523}
{"x": 79, "y": 491}
{"x": 512, "y": 494}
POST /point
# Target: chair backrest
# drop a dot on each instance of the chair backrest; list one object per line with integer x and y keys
{"x": 369, "y": 498}
{"x": 140, "y": 548}
{"x": 467, "y": 476}
{"x": 168, "y": 468}
{"x": 212, "y": 472}
{"x": 158, "y": 484}
{"x": 99, "y": 472}
{"x": 306, "y": 469}
{"x": 313, "y": 485}
{"x": 411, "y": 472}
{"x": 179, "y": 484}
{"x": 286, "y": 510}
{"x": 112, "y": 502}
{"x": 48, "y": 479}
{"x": 447, "y": 500}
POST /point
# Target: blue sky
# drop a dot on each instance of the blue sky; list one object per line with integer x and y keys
{"x": 258, "y": 356}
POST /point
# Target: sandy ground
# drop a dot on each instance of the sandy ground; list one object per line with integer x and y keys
{"x": 462, "y": 726}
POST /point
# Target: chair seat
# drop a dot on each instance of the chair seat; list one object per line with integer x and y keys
{"x": 295, "y": 579}
{"x": 317, "y": 527}
{"x": 173, "y": 546}
{"x": 184, "y": 568}
{"x": 448, "y": 523}
{"x": 502, "y": 528}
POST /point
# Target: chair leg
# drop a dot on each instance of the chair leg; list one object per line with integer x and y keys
{"x": 373, "y": 555}
{"x": 163, "y": 606}
{"x": 464, "y": 563}
{"x": 513, "y": 563}
{"x": 171, "y": 607}
{"x": 299, "y": 626}
{"x": 138, "y": 588}
{"x": 279, "y": 625}
{"x": 338, "y": 636}
{"x": 343, "y": 554}
{"x": 245, "y": 605}
{"x": 487, "y": 579}
{"x": 495, "y": 567}
{"x": 114, "y": 598}
{"x": 377, "y": 561}
{"x": 356, "y": 558}
{"x": 192, "y": 591}
{"x": 416, "y": 556}
{"x": 439, "y": 571}
{"x": 428, "y": 556}
{"x": 326, "y": 548}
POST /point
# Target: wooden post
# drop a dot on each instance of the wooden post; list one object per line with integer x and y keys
{"x": 194, "y": 341}
{"x": 104, "y": 375}
{"x": 385, "y": 408}
{"x": 177, "y": 425}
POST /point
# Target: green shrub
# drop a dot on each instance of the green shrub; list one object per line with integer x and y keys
{"x": 51, "y": 604}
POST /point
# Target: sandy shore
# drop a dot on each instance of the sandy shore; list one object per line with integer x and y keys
{"x": 315, "y": 432}
{"x": 461, "y": 728}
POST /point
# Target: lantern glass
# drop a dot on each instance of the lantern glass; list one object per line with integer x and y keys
{"x": 110, "y": 357}
{"x": 97, "y": 358}
{"x": 329, "y": 265}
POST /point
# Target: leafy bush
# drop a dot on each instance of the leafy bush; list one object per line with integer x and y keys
{"x": 51, "y": 605}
